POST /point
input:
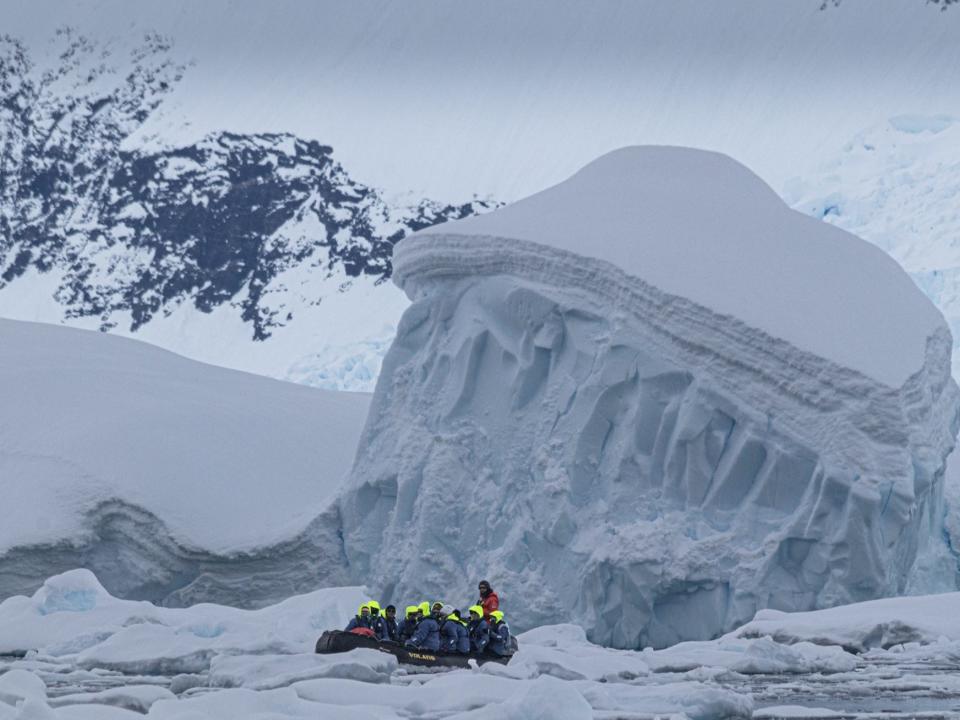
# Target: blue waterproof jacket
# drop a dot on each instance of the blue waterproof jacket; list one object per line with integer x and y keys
{"x": 406, "y": 629}
{"x": 463, "y": 638}
{"x": 427, "y": 636}
{"x": 390, "y": 629}
{"x": 448, "y": 636}
{"x": 359, "y": 622}
{"x": 479, "y": 635}
{"x": 500, "y": 639}
{"x": 378, "y": 626}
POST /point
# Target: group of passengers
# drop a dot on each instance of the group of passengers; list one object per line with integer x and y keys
{"x": 440, "y": 627}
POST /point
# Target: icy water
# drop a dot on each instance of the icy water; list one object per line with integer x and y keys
{"x": 876, "y": 690}
{"x": 911, "y": 690}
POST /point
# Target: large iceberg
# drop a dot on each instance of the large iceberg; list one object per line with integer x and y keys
{"x": 653, "y": 400}
{"x": 174, "y": 481}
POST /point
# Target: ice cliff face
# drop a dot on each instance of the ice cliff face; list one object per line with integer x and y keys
{"x": 653, "y": 400}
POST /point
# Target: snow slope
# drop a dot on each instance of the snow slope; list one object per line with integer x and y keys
{"x": 172, "y": 479}
{"x": 656, "y": 399}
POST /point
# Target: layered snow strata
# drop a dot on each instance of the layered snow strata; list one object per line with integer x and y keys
{"x": 653, "y": 400}
{"x": 174, "y": 481}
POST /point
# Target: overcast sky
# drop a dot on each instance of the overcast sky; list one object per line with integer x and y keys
{"x": 505, "y": 97}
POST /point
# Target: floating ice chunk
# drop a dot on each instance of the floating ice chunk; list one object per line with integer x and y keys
{"x": 266, "y": 672}
{"x": 562, "y": 651}
{"x": 95, "y": 712}
{"x": 749, "y": 657}
{"x": 241, "y": 704}
{"x": 545, "y": 698}
{"x": 663, "y": 401}
{"x": 797, "y": 712}
{"x": 35, "y": 709}
{"x": 692, "y": 700}
{"x": 138, "y": 698}
{"x": 17, "y": 685}
{"x": 882, "y": 623}
{"x": 73, "y": 591}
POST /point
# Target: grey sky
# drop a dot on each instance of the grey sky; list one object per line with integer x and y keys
{"x": 452, "y": 98}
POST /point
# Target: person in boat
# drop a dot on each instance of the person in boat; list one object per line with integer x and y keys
{"x": 499, "y": 635}
{"x": 463, "y": 635}
{"x": 479, "y": 629}
{"x": 376, "y": 620}
{"x": 408, "y": 626}
{"x": 427, "y": 634}
{"x": 361, "y": 620}
{"x": 390, "y": 623}
{"x": 489, "y": 600}
{"x": 448, "y": 630}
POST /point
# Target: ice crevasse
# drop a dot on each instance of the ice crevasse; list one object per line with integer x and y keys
{"x": 653, "y": 400}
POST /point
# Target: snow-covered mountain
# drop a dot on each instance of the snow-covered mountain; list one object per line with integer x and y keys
{"x": 259, "y": 230}
{"x": 656, "y": 399}
{"x": 174, "y": 481}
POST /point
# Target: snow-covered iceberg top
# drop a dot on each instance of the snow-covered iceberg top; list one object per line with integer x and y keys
{"x": 697, "y": 225}
{"x": 653, "y": 400}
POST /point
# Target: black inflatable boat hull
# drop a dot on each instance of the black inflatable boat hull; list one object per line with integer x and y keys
{"x": 337, "y": 641}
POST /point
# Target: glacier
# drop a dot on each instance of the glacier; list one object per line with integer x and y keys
{"x": 175, "y": 481}
{"x": 653, "y": 400}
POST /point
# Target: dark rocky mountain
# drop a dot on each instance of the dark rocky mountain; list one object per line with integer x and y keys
{"x": 132, "y": 233}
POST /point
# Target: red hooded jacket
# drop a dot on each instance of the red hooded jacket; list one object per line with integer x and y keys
{"x": 490, "y": 603}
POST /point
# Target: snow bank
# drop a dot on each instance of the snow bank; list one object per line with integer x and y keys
{"x": 875, "y": 624}
{"x": 258, "y": 672}
{"x": 652, "y": 400}
{"x": 172, "y": 480}
{"x": 751, "y": 657}
{"x": 73, "y": 616}
{"x": 564, "y": 652}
